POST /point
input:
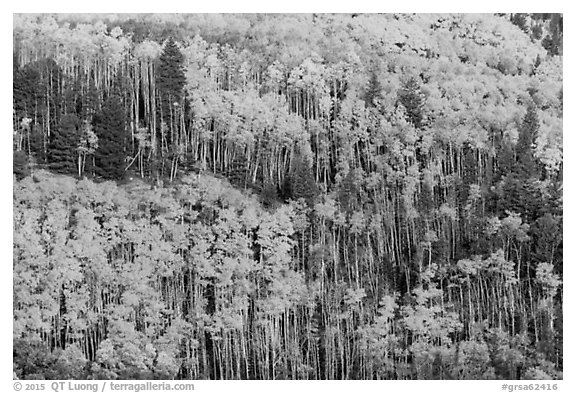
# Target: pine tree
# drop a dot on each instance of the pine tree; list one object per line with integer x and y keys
{"x": 526, "y": 140}
{"x": 537, "y": 31}
{"x": 553, "y": 41}
{"x": 170, "y": 79}
{"x": 36, "y": 96}
{"x": 519, "y": 193}
{"x": 373, "y": 91}
{"x": 412, "y": 98}
{"x": 20, "y": 165}
{"x": 520, "y": 21}
{"x": 348, "y": 192}
{"x": 26, "y": 89}
{"x": 62, "y": 151}
{"x": 269, "y": 194}
{"x": 89, "y": 101}
{"x": 302, "y": 183}
{"x": 110, "y": 126}
{"x": 237, "y": 171}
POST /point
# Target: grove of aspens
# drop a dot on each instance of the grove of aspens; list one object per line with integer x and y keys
{"x": 307, "y": 196}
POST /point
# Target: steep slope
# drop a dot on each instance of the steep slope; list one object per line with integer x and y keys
{"x": 411, "y": 172}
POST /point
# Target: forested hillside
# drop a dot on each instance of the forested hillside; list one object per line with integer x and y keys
{"x": 288, "y": 196}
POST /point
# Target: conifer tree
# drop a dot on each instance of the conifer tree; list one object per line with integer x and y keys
{"x": 269, "y": 194}
{"x": 526, "y": 140}
{"x": 412, "y": 98}
{"x": 519, "y": 20}
{"x": 519, "y": 194}
{"x": 536, "y": 31}
{"x": 348, "y": 192}
{"x": 302, "y": 183}
{"x": 553, "y": 41}
{"x": 26, "y": 85}
{"x": 237, "y": 171}
{"x": 171, "y": 79}
{"x": 170, "y": 82}
{"x": 20, "y": 165}
{"x": 110, "y": 126}
{"x": 373, "y": 91}
{"x": 62, "y": 152}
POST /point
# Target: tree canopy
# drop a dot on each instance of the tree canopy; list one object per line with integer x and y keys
{"x": 366, "y": 196}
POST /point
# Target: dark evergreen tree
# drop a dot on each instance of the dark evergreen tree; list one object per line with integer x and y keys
{"x": 553, "y": 40}
{"x": 505, "y": 157}
{"x": 51, "y": 81}
{"x": 519, "y": 191}
{"x": 373, "y": 90}
{"x": 537, "y": 63}
{"x": 20, "y": 165}
{"x": 171, "y": 78}
{"x": 520, "y": 195}
{"x": 526, "y": 140}
{"x": 37, "y": 96}
{"x": 548, "y": 44}
{"x": 26, "y": 84}
{"x": 110, "y": 126}
{"x": 412, "y": 98}
{"x": 269, "y": 194}
{"x": 520, "y": 21}
{"x": 302, "y": 183}
{"x": 71, "y": 97}
{"x": 88, "y": 101}
{"x": 170, "y": 81}
{"x": 537, "y": 31}
{"x": 348, "y": 192}
{"x": 62, "y": 151}
{"x": 237, "y": 171}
